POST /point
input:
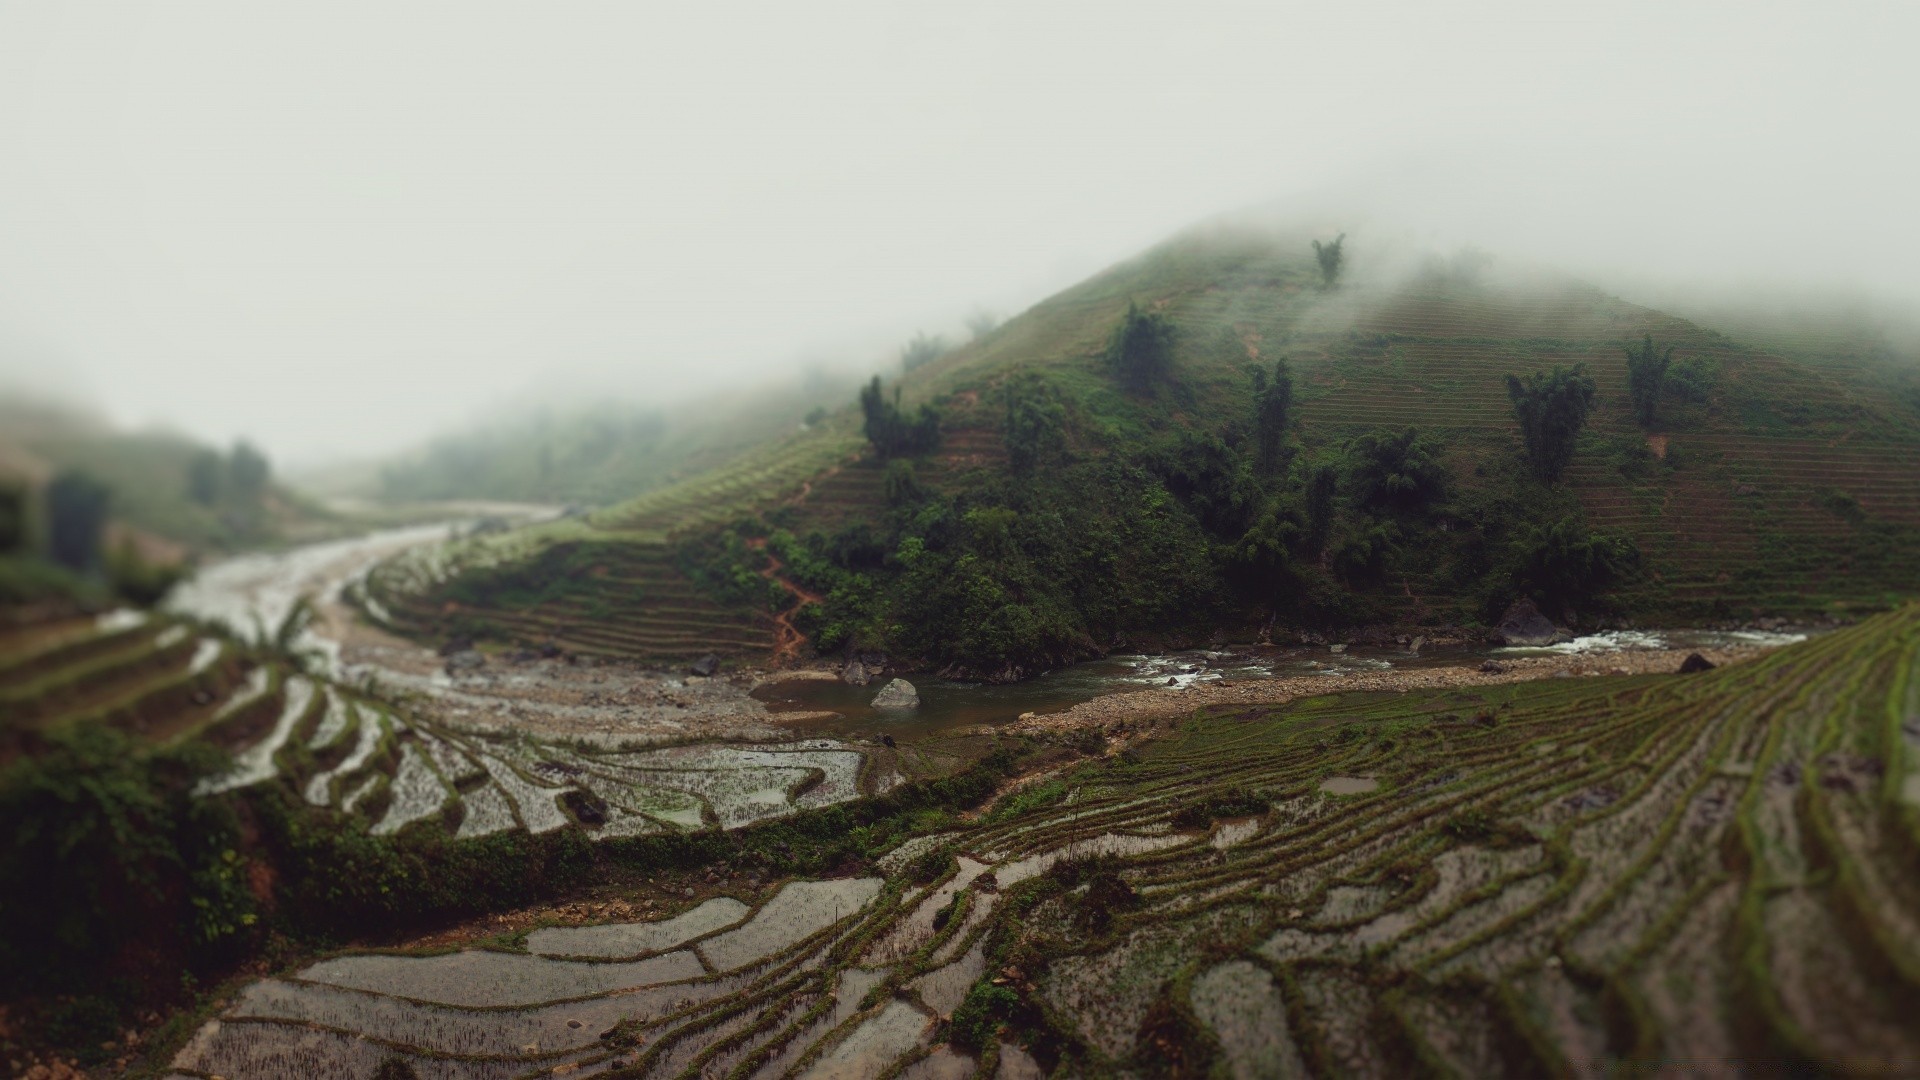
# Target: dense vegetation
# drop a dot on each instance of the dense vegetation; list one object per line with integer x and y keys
{"x": 1109, "y": 523}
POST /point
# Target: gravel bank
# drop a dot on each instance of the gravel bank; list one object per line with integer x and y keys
{"x": 1123, "y": 713}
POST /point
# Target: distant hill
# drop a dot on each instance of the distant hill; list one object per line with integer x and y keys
{"x": 1775, "y": 479}
{"x": 603, "y": 452}
{"x": 169, "y": 499}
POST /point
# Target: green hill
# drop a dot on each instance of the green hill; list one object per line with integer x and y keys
{"x": 1775, "y": 480}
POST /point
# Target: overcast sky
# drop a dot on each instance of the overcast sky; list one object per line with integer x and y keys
{"x": 338, "y": 226}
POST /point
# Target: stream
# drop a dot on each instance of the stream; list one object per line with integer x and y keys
{"x": 946, "y": 705}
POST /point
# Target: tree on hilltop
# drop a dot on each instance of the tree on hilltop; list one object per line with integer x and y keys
{"x": 1330, "y": 258}
{"x": 981, "y": 323}
{"x": 1646, "y": 370}
{"x": 1551, "y": 408}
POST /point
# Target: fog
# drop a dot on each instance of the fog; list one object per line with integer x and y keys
{"x": 339, "y": 227}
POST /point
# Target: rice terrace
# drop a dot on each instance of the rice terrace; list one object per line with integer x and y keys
{"x": 856, "y": 542}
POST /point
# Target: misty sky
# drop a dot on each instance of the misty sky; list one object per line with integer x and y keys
{"x": 338, "y": 226}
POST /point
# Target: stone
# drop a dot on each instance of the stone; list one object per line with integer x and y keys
{"x": 465, "y": 660}
{"x": 1491, "y": 668}
{"x": 1695, "y": 663}
{"x": 898, "y": 694}
{"x": 855, "y": 673}
{"x": 705, "y": 666}
{"x": 1524, "y": 625}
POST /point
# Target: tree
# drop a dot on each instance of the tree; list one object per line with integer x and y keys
{"x": 1036, "y": 422}
{"x": 247, "y": 472}
{"x": 1142, "y": 347}
{"x": 1646, "y": 368}
{"x": 923, "y": 349}
{"x": 1560, "y": 562}
{"x": 1329, "y": 257}
{"x": 1273, "y": 399}
{"x": 981, "y": 323}
{"x": 889, "y": 429}
{"x": 204, "y": 478}
{"x": 1551, "y": 409}
{"x": 76, "y": 519}
{"x": 1323, "y": 484}
{"x": 13, "y": 519}
{"x": 1395, "y": 471}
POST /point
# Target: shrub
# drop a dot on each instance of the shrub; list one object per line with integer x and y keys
{"x": 891, "y": 431}
{"x": 978, "y": 1019}
{"x": 1036, "y": 423}
{"x": 1395, "y": 472}
{"x": 1692, "y": 378}
{"x": 1551, "y": 408}
{"x": 1141, "y": 351}
{"x": 1562, "y": 562}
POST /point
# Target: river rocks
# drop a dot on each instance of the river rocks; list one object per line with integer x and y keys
{"x": 1695, "y": 663}
{"x": 855, "y": 673}
{"x": 1524, "y": 625}
{"x": 705, "y": 666}
{"x": 898, "y": 694}
{"x": 465, "y": 660}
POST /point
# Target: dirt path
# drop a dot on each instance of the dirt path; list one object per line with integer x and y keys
{"x": 787, "y": 638}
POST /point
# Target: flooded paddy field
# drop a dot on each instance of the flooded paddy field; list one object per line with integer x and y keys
{"x": 1584, "y": 875}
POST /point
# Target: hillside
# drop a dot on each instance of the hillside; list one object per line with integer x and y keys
{"x": 149, "y": 477}
{"x": 604, "y": 452}
{"x": 1774, "y": 481}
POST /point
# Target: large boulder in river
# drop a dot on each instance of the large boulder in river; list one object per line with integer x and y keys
{"x": 1695, "y": 663}
{"x": 898, "y": 694}
{"x": 1524, "y": 625}
{"x": 855, "y": 673}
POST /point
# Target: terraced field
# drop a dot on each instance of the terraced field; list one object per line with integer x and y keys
{"x": 610, "y": 583}
{"x": 389, "y": 768}
{"x": 1787, "y": 490}
{"x": 158, "y": 678}
{"x": 1703, "y": 875}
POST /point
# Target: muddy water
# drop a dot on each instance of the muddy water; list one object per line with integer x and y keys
{"x": 946, "y": 705}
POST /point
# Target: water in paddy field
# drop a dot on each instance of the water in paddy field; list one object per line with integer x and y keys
{"x": 945, "y": 704}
